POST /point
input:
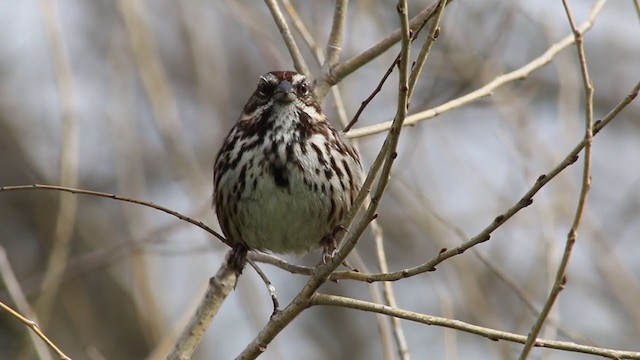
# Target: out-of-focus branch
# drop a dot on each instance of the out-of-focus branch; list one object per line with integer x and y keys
{"x": 197, "y": 223}
{"x": 17, "y": 295}
{"x": 298, "y": 61}
{"x": 163, "y": 102}
{"x": 66, "y": 215}
{"x": 388, "y": 293}
{"x": 492, "y": 334}
{"x": 487, "y": 89}
{"x": 560, "y": 278}
{"x": 220, "y": 286}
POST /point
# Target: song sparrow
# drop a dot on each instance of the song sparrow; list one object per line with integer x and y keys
{"x": 284, "y": 178}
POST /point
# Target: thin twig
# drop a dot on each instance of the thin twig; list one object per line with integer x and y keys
{"x": 492, "y": 334}
{"x": 35, "y": 328}
{"x": 220, "y": 286}
{"x": 270, "y": 288}
{"x": 487, "y": 89}
{"x": 197, "y": 223}
{"x": 373, "y": 94}
{"x": 561, "y": 273}
{"x": 424, "y": 52}
{"x": 298, "y": 61}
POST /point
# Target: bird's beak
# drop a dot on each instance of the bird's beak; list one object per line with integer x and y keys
{"x": 284, "y": 92}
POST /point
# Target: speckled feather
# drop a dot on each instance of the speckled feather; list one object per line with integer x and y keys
{"x": 284, "y": 177}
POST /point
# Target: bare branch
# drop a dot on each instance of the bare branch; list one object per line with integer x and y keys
{"x": 492, "y": 334}
{"x": 298, "y": 61}
{"x": 434, "y": 31}
{"x": 197, "y": 223}
{"x": 334, "y": 45}
{"x": 220, "y": 286}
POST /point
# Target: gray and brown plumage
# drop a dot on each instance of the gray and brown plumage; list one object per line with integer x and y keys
{"x": 284, "y": 178}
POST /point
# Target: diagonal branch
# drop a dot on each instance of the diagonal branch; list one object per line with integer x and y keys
{"x": 298, "y": 61}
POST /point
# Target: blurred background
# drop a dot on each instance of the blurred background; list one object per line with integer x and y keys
{"x": 134, "y": 97}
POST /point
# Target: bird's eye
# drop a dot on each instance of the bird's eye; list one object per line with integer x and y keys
{"x": 264, "y": 88}
{"x": 303, "y": 88}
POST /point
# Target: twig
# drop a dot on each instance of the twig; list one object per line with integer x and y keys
{"x": 219, "y": 288}
{"x": 197, "y": 223}
{"x": 334, "y": 44}
{"x": 373, "y": 94}
{"x": 487, "y": 89}
{"x": 17, "y": 295}
{"x": 35, "y": 328}
{"x": 270, "y": 288}
{"x": 561, "y": 277}
{"x": 424, "y": 52}
{"x": 66, "y": 214}
{"x": 298, "y": 61}
{"x": 492, "y": 334}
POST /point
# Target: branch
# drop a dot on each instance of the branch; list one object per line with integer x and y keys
{"x": 220, "y": 286}
{"x": 561, "y": 279}
{"x": 197, "y": 223}
{"x": 492, "y": 334}
{"x": 337, "y": 31}
{"x": 298, "y": 61}
{"x": 486, "y": 90}
{"x": 424, "y": 52}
